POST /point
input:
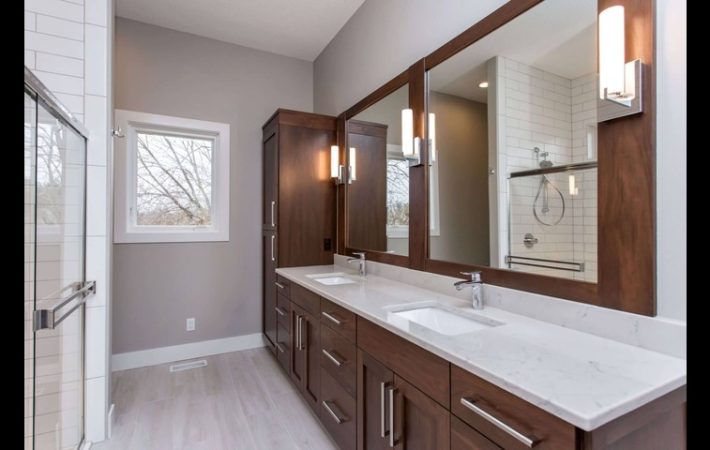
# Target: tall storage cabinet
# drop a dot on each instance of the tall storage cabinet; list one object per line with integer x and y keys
{"x": 298, "y": 214}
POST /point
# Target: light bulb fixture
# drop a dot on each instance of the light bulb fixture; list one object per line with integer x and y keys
{"x": 432, "y": 137}
{"x": 619, "y": 81}
{"x": 483, "y": 84}
{"x": 573, "y": 189}
{"x": 336, "y": 169}
{"x": 352, "y": 171}
{"x": 410, "y": 145}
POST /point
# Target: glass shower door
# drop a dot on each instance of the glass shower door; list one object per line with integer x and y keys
{"x": 55, "y": 286}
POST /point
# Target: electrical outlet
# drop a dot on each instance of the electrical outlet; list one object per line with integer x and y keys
{"x": 190, "y": 324}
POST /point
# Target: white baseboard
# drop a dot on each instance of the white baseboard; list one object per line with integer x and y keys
{"x": 109, "y": 421}
{"x": 162, "y": 355}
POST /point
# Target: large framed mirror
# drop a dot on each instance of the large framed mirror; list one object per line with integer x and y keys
{"x": 521, "y": 172}
{"x": 512, "y": 133}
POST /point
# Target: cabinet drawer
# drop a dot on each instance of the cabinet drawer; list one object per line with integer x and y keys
{"x": 283, "y": 286}
{"x": 338, "y": 318}
{"x": 338, "y": 358}
{"x": 481, "y": 404}
{"x": 283, "y": 311}
{"x": 283, "y": 346}
{"x": 337, "y": 412}
{"x": 305, "y": 299}
{"x": 464, "y": 437}
{"x": 426, "y": 371}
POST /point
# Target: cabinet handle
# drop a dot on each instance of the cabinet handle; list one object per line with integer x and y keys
{"x": 383, "y": 432}
{"x": 272, "y": 247}
{"x": 279, "y": 285}
{"x": 332, "y": 318}
{"x": 298, "y": 332}
{"x": 336, "y": 417}
{"x": 279, "y": 310}
{"x": 338, "y": 362}
{"x": 279, "y": 347}
{"x": 528, "y": 441}
{"x": 273, "y": 203}
{"x": 391, "y": 392}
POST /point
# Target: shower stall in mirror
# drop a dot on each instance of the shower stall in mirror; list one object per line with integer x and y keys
{"x": 54, "y": 276}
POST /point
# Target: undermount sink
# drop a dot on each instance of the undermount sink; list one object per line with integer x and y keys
{"x": 331, "y": 279}
{"x": 440, "y": 320}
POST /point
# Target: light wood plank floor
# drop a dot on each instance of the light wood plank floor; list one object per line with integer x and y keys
{"x": 241, "y": 400}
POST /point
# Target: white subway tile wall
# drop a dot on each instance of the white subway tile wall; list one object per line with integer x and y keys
{"x": 67, "y": 46}
{"x": 543, "y": 111}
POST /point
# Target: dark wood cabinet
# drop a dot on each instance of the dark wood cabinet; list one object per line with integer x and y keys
{"x": 298, "y": 210}
{"x": 305, "y": 357}
{"x": 464, "y": 437}
{"x": 419, "y": 422}
{"x": 374, "y": 382}
{"x": 269, "y": 248}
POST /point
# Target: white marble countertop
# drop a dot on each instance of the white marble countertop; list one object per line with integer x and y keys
{"x": 581, "y": 378}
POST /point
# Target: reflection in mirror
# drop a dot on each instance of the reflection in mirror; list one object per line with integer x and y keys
{"x": 378, "y": 200}
{"x": 513, "y": 180}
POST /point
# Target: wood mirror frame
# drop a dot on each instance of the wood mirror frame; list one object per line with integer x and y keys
{"x": 625, "y": 187}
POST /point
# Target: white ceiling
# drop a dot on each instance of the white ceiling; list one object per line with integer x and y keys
{"x": 558, "y": 36}
{"x": 297, "y": 28}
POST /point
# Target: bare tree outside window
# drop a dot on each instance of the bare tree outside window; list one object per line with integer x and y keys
{"x": 397, "y": 192}
{"x": 174, "y": 180}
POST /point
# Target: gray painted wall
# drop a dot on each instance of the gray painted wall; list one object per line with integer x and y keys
{"x": 462, "y": 143}
{"x": 381, "y": 40}
{"x": 157, "y": 286}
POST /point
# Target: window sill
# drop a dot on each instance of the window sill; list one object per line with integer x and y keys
{"x": 144, "y": 237}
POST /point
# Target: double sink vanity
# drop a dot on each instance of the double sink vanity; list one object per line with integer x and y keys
{"x": 388, "y": 364}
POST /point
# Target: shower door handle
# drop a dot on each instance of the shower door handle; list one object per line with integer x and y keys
{"x": 46, "y": 319}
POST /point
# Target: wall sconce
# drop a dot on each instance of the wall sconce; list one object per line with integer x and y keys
{"x": 336, "y": 169}
{"x": 573, "y": 188}
{"x": 411, "y": 146}
{"x": 619, "y": 81}
{"x": 352, "y": 172}
{"x": 432, "y": 137}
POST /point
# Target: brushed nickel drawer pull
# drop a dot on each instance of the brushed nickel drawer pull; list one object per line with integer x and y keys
{"x": 336, "y": 417}
{"x": 331, "y": 318}
{"x": 528, "y": 441}
{"x": 338, "y": 362}
{"x": 273, "y": 203}
{"x": 279, "y": 285}
{"x": 279, "y": 310}
{"x": 383, "y": 425}
{"x": 279, "y": 347}
{"x": 392, "y": 390}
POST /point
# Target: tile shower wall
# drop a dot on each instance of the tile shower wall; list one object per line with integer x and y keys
{"x": 68, "y": 47}
{"x": 543, "y": 111}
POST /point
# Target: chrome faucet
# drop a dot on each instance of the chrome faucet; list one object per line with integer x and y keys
{"x": 476, "y": 288}
{"x": 360, "y": 261}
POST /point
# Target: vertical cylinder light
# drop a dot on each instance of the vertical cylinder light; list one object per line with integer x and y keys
{"x": 334, "y": 161}
{"x": 611, "y": 51}
{"x": 353, "y": 165}
{"x": 573, "y": 189}
{"x": 432, "y": 137}
{"x": 407, "y": 132}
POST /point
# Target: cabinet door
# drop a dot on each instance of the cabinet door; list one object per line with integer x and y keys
{"x": 420, "y": 423}
{"x": 269, "y": 288}
{"x": 464, "y": 437}
{"x": 374, "y": 381}
{"x": 310, "y": 329}
{"x": 298, "y": 354}
{"x": 283, "y": 346}
{"x": 270, "y": 180}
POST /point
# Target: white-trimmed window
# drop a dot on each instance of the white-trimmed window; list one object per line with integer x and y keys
{"x": 172, "y": 179}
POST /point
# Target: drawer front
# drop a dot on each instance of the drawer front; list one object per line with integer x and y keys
{"x": 283, "y": 310}
{"x": 337, "y": 412}
{"x": 338, "y": 358}
{"x": 338, "y": 318}
{"x": 305, "y": 299}
{"x": 488, "y": 408}
{"x": 426, "y": 371}
{"x": 464, "y": 437}
{"x": 283, "y": 346}
{"x": 283, "y": 286}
